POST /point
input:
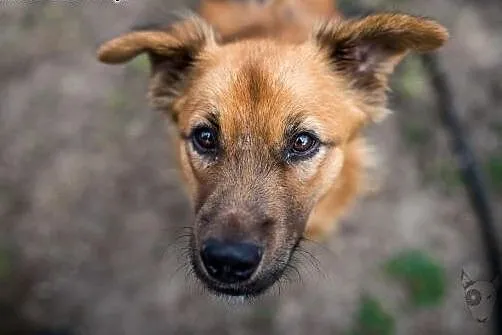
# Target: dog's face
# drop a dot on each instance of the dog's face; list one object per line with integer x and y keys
{"x": 480, "y": 297}
{"x": 263, "y": 127}
{"x": 258, "y": 148}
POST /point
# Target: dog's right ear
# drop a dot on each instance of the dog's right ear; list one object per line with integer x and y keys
{"x": 172, "y": 54}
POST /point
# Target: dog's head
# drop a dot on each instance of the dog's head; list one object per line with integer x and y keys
{"x": 480, "y": 296}
{"x": 263, "y": 127}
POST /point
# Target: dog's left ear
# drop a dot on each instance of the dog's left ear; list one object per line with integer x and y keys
{"x": 172, "y": 52}
{"x": 466, "y": 280}
{"x": 367, "y": 50}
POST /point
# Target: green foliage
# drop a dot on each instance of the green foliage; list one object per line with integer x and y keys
{"x": 493, "y": 168}
{"x": 423, "y": 277}
{"x": 445, "y": 174}
{"x": 117, "y": 101}
{"x": 415, "y": 134}
{"x": 372, "y": 319}
{"x": 411, "y": 81}
{"x": 140, "y": 64}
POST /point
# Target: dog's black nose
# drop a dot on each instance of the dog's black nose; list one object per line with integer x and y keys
{"x": 230, "y": 262}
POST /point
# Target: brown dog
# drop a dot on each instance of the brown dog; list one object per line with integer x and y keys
{"x": 268, "y": 107}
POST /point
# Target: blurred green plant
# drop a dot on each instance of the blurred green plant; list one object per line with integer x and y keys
{"x": 117, "y": 100}
{"x": 415, "y": 134}
{"x": 493, "y": 168}
{"x": 372, "y": 319}
{"x": 446, "y": 174}
{"x": 410, "y": 80}
{"x": 140, "y": 64}
{"x": 422, "y": 276}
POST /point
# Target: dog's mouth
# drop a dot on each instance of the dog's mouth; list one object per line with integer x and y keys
{"x": 265, "y": 277}
{"x": 252, "y": 288}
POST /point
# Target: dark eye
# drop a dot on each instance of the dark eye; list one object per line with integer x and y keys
{"x": 473, "y": 297}
{"x": 205, "y": 140}
{"x": 303, "y": 142}
{"x": 303, "y": 145}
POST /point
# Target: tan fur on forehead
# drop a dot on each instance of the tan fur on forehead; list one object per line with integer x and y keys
{"x": 262, "y": 84}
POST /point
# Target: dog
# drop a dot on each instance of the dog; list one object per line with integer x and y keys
{"x": 267, "y": 102}
{"x": 480, "y": 296}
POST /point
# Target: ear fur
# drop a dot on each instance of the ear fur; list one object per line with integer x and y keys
{"x": 367, "y": 50}
{"x": 466, "y": 280}
{"x": 172, "y": 53}
{"x": 192, "y": 33}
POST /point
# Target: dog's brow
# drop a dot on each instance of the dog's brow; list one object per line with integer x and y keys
{"x": 293, "y": 126}
{"x": 298, "y": 122}
{"x": 211, "y": 118}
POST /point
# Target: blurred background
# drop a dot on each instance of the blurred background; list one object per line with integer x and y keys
{"x": 91, "y": 206}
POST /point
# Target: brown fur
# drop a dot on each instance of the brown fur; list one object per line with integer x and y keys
{"x": 257, "y": 77}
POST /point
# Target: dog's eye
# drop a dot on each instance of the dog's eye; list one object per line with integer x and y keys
{"x": 205, "y": 140}
{"x": 473, "y": 297}
{"x": 303, "y": 145}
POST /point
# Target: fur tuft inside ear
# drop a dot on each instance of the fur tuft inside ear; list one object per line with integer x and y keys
{"x": 367, "y": 50}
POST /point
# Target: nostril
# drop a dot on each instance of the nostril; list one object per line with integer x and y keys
{"x": 230, "y": 262}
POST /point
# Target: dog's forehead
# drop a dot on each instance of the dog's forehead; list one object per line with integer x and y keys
{"x": 257, "y": 92}
{"x": 259, "y": 88}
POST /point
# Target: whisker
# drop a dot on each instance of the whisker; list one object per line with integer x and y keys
{"x": 178, "y": 244}
{"x": 292, "y": 267}
{"x": 178, "y": 269}
{"x": 194, "y": 287}
{"x": 309, "y": 258}
{"x": 317, "y": 244}
{"x": 312, "y": 260}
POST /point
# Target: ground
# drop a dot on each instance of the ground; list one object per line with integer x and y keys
{"x": 90, "y": 202}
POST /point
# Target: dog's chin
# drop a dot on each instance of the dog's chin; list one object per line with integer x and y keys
{"x": 250, "y": 289}
{"x": 245, "y": 291}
